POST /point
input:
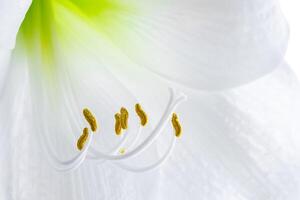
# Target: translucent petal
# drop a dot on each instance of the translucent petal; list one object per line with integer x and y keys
{"x": 201, "y": 44}
{"x": 13, "y": 96}
{"x": 12, "y": 13}
{"x": 4, "y": 64}
{"x": 57, "y": 102}
{"x": 57, "y": 105}
{"x": 239, "y": 144}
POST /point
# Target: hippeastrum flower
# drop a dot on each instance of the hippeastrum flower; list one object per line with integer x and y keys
{"x": 90, "y": 91}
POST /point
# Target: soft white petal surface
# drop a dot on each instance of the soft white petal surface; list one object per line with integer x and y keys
{"x": 12, "y": 13}
{"x": 206, "y": 44}
{"x": 240, "y": 143}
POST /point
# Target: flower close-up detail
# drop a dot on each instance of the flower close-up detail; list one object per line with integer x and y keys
{"x": 136, "y": 99}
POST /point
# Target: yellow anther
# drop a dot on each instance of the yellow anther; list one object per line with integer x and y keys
{"x": 82, "y": 139}
{"x": 90, "y": 118}
{"x": 124, "y": 118}
{"x": 142, "y": 115}
{"x": 122, "y": 151}
{"x": 118, "y": 126}
{"x": 176, "y": 125}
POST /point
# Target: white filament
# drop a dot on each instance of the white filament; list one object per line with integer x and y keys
{"x": 153, "y": 166}
{"x": 173, "y": 103}
{"x": 93, "y": 152}
{"x": 71, "y": 164}
{"x": 76, "y": 161}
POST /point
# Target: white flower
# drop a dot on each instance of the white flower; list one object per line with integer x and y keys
{"x": 78, "y": 62}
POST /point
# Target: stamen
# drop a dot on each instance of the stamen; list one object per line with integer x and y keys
{"x": 174, "y": 101}
{"x": 90, "y": 118}
{"x": 124, "y": 118}
{"x": 176, "y": 125}
{"x": 83, "y": 138}
{"x": 141, "y": 113}
{"x": 118, "y": 126}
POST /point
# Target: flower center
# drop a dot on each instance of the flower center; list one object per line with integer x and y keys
{"x": 120, "y": 153}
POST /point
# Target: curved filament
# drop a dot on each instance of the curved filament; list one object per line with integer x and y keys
{"x": 153, "y": 166}
{"x": 173, "y": 103}
{"x": 71, "y": 164}
{"x": 95, "y": 155}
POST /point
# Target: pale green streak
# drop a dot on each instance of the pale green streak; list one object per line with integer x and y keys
{"x": 40, "y": 25}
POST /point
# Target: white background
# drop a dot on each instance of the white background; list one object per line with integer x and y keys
{"x": 291, "y": 9}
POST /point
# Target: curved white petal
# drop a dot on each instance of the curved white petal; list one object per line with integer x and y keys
{"x": 82, "y": 80}
{"x": 202, "y": 44}
{"x": 239, "y": 144}
{"x": 57, "y": 119}
{"x": 4, "y": 64}
{"x": 13, "y": 100}
{"x": 12, "y": 13}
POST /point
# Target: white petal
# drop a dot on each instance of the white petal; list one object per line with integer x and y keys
{"x": 57, "y": 103}
{"x": 239, "y": 144}
{"x": 12, "y": 13}
{"x": 4, "y": 64}
{"x": 205, "y": 44}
